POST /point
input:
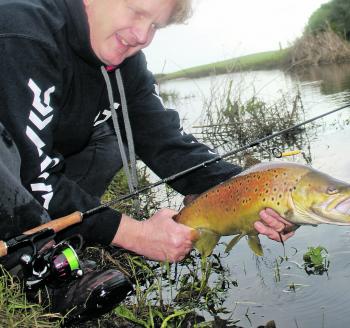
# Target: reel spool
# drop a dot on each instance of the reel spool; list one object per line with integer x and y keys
{"x": 65, "y": 262}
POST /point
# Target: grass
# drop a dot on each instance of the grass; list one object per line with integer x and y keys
{"x": 263, "y": 60}
{"x": 17, "y": 312}
{"x": 311, "y": 49}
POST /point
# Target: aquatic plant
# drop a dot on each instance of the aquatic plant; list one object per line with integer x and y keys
{"x": 230, "y": 122}
{"x": 170, "y": 295}
{"x": 316, "y": 260}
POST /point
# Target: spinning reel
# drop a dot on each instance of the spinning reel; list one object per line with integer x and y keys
{"x": 53, "y": 264}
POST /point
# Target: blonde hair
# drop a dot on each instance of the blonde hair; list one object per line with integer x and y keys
{"x": 182, "y": 12}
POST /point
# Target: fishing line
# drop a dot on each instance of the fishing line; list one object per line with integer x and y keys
{"x": 208, "y": 162}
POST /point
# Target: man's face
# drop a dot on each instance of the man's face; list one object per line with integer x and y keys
{"x": 120, "y": 28}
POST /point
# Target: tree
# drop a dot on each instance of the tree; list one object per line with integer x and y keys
{"x": 334, "y": 14}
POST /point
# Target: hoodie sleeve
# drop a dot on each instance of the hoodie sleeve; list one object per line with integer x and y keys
{"x": 163, "y": 145}
{"x": 31, "y": 97}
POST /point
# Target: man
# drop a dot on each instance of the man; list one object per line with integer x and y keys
{"x": 67, "y": 66}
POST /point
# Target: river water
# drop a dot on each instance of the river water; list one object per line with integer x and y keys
{"x": 264, "y": 290}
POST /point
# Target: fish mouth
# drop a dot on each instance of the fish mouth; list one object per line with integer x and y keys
{"x": 343, "y": 207}
{"x": 334, "y": 211}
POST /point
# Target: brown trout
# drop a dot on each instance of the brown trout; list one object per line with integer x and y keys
{"x": 299, "y": 193}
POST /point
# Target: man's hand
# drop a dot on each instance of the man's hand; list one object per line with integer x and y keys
{"x": 159, "y": 238}
{"x": 273, "y": 225}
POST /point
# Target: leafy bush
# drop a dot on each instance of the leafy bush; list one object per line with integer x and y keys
{"x": 335, "y": 14}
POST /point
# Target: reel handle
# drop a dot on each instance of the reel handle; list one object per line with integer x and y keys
{"x": 3, "y": 248}
{"x": 58, "y": 224}
{"x": 55, "y": 225}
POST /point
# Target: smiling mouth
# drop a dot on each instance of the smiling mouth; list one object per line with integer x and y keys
{"x": 344, "y": 206}
{"x": 122, "y": 41}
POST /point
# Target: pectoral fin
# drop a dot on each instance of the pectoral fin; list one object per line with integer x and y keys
{"x": 206, "y": 242}
{"x": 233, "y": 242}
{"x": 255, "y": 245}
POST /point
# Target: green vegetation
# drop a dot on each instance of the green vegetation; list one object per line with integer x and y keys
{"x": 326, "y": 36}
{"x": 229, "y": 123}
{"x": 164, "y": 298}
{"x": 263, "y": 60}
{"x": 316, "y": 260}
{"x": 334, "y": 14}
{"x": 16, "y": 311}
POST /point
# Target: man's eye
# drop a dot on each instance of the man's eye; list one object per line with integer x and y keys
{"x": 132, "y": 10}
{"x": 156, "y": 26}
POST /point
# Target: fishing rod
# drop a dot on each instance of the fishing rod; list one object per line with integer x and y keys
{"x": 59, "y": 224}
{"x": 210, "y": 161}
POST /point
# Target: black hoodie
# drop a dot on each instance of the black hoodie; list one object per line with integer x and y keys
{"x": 52, "y": 93}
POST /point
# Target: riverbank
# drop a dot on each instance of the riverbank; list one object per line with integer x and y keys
{"x": 309, "y": 50}
{"x": 259, "y": 61}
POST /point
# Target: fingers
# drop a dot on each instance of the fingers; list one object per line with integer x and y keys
{"x": 273, "y": 225}
{"x": 271, "y": 233}
{"x": 189, "y": 237}
{"x": 178, "y": 255}
{"x": 274, "y": 220}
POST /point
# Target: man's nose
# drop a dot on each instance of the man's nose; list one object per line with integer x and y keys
{"x": 142, "y": 31}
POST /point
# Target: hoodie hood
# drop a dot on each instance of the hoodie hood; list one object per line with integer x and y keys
{"x": 78, "y": 31}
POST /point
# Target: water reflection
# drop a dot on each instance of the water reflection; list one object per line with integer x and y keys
{"x": 332, "y": 79}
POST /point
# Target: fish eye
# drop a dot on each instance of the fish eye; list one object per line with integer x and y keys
{"x": 331, "y": 190}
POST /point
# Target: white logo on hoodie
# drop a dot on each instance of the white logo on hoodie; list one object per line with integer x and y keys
{"x": 39, "y": 118}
